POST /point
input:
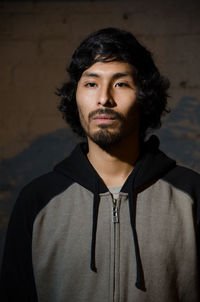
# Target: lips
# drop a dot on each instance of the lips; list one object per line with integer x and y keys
{"x": 104, "y": 117}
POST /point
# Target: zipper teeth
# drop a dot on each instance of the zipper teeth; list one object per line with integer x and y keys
{"x": 115, "y": 220}
{"x": 115, "y": 211}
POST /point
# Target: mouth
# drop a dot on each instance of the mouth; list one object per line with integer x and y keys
{"x": 104, "y": 118}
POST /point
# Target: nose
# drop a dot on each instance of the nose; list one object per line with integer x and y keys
{"x": 105, "y": 96}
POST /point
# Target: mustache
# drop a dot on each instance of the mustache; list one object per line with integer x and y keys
{"x": 108, "y": 111}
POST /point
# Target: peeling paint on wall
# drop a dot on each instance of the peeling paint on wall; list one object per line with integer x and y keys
{"x": 180, "y": 134}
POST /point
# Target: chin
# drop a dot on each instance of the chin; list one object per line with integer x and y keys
{"x": 105, "y": 138}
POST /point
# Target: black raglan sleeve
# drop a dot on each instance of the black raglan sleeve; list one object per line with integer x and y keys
{"x": 188, "y": 181}
{"x": 17, "y": 279}
{"x": 17, "y": 275}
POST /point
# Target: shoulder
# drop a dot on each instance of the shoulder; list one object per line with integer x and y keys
{"x": 39, "y": 192}
{"x": 182, "y": 175}
{"x": 47, "y": 184}
{"x": 184, "y": 179}
{"x": 44, "y": 188}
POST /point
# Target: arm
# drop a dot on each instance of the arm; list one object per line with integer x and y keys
{"x": 17, "y": 279}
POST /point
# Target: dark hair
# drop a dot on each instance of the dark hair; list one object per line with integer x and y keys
{"x": 113, "y": 44}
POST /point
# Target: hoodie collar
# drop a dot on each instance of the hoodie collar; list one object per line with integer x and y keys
{"x": 78, "y": 168}
{"x": 152, "y": 164}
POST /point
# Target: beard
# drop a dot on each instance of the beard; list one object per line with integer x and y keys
{"x": 107, "y": 135}
{"x": 105, "y": 138}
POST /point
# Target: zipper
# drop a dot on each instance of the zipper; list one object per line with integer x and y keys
{"x": 115, "y": 211}
{"x": 115, "y": 221}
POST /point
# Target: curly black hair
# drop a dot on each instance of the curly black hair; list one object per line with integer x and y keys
{"x": 113, "y": 44}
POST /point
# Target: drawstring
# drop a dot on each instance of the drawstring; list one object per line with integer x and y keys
{"x": 140, "y": 283}
{"x": 94, "y": 224}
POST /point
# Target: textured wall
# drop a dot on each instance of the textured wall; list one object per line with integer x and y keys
{"x": 36, "y": 42}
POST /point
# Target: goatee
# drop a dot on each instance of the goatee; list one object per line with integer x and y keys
{"x": 106, "y": 137}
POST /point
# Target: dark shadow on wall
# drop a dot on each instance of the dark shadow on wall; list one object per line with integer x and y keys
{"x": 180, "y": 139}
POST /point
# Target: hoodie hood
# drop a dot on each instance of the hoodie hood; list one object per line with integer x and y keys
{"x": 151, "y": 165}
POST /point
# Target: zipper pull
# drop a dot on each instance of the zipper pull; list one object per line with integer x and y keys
{"x": 115, "y": 213}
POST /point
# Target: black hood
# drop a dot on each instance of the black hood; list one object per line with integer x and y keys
{"x": 151, "y": 165}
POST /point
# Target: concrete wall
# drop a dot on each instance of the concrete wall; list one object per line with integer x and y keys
{"x": 36, "y": 43}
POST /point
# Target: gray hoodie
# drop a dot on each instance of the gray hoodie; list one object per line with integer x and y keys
{"x": 69, "y": 240}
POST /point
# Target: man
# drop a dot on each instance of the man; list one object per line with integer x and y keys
{"x": 117, "y": 220}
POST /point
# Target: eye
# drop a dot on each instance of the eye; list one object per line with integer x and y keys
{"x": 122, "y": 84}
{"x": 90, "y": 85}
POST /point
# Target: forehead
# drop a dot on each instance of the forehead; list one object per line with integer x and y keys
{"x": 109, "y": 69}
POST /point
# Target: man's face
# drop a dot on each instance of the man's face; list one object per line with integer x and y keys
{"x": 106, "y": 100}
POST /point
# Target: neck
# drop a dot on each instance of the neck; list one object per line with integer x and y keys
{"x": 116, "y": 162}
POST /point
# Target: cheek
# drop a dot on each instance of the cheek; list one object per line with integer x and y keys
{"x": 80, "y": 104}
{"x": 128, "y": 109}
{"x": 83, "y": 111}
{"x": 84, "y": 101}
{"x": 82, "y": 114}
{"x": 125, "y": 99}
{"x": 78, "y": 97}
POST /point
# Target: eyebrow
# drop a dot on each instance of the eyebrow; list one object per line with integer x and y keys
{"x": 115, "y": 76}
